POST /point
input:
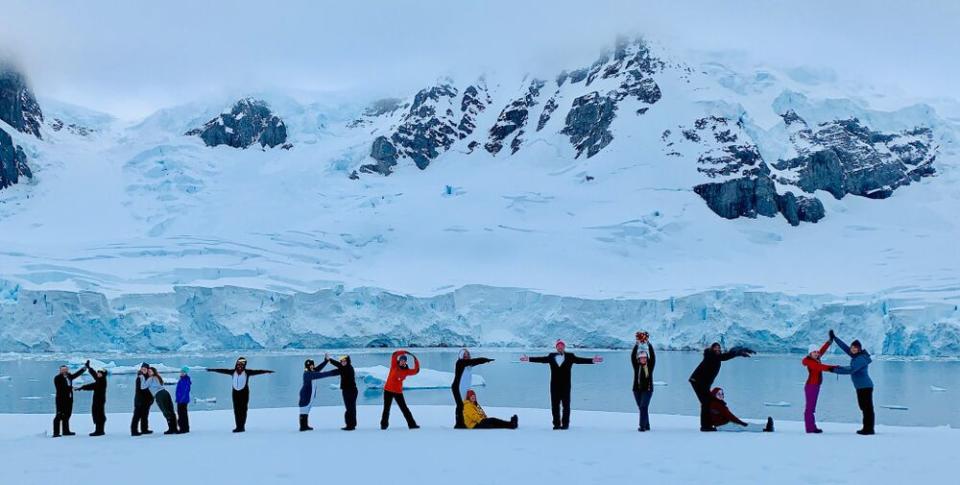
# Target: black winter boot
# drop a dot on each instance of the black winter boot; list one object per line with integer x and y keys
{"x": 304, "y": 425}
{"x": 769, "y": 427}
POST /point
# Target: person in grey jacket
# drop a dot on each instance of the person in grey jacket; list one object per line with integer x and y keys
{"x": 154, "y": 384}
{"x": 859, "y": 363}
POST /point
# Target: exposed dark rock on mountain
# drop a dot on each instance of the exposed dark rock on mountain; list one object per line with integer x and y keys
{"x": 18, "y": 106}
{"x": 513, "y": 118}
{"x": 249, "y": 122}
{"x": 588, "y": 123}
{"x": 13, "y": 162}
{"x": 57, "y": 125}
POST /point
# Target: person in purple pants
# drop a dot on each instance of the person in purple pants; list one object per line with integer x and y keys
{"x": 811, "y": 389}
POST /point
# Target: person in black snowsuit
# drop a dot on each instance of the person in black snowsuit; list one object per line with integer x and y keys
{"x": 561, "y": 362}
{"x": 63, "y": 383}
{"x": 462, "y": 378}
{"x": 99, "y": 388}
{"x": 241, "y": 390}
{"x": 703, "y": 376}
{"x": 348, "y": 388}
{"x": 142, "y": 400}
{"x": 643, "y": 364}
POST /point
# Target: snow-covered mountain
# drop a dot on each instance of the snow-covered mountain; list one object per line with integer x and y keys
{"x": 705, "y": 200}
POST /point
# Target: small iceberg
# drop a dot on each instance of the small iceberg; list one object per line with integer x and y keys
{"x": 777, "y": 404}
{"x": 5, "y": 378}
{"x": 113, "y": 368}
{"x": 896, "y": 407}
{"x": 932, "y": 388}
{"x": 659, "y": 383}
{"x": 205, "y": 400}
{"x": 374, "y": 377}
{"x": 32, "y": 398}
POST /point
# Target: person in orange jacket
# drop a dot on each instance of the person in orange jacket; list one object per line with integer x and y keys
{"x": 811, "y": 390}
{"x": 393, "y": 388}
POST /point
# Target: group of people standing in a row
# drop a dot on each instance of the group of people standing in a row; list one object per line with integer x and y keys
{"x": 468, "y": 414}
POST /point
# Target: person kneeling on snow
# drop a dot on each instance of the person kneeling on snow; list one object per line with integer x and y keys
{"x": 475, "y": 418}
{"x": 724, "y": 420}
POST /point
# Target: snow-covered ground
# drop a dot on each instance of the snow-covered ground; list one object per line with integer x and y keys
{"x": 601, "y": 448}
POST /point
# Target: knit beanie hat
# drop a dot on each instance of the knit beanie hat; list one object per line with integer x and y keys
{"x": 470, "y": 393}
{"x": 813, "y": 348}
{"x": 185, "y": 370}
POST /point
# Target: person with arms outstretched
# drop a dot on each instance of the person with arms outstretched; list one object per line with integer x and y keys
{"x": 63, "y": 383}
{"x": 393, "y": 388}
{"x": 99, "y": 401}
{"x": 859, "y": 362}
{"x": 475, "y": 418}
{"x": 462, "y": 379}
{"x": 561, "y": 363}
{"x": 240, "y": 377}
{"x": 348, "y": 388}
{"x": 643, "y": 363}
{"x": 811, "y": 390}
{"x": 703, "y": 376}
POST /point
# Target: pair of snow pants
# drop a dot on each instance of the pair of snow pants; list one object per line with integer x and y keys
{"x": 811, "y": 392}
{"x": 388, "y": 398}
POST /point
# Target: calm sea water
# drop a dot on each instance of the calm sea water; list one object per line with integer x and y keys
{"x": 26, "y": 384}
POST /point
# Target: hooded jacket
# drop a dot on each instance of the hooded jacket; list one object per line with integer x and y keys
{"x": 815, "y": 368}
{"x": 472, "y": 414}
{"x": 858, "y": 366}
{"x": 396, "y": 376}
{"x": 183, "y": 390}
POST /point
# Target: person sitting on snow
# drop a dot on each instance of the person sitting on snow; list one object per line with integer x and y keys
{"x": 724, "y": 420}
{"x": 706, "y": 372}
{"x": 475, "y": 418}
{"x": 393, "y": 388}
{"x": 462, "y": 379}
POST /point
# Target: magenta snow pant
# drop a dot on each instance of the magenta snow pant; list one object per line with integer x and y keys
{"x": 812, "y": 392}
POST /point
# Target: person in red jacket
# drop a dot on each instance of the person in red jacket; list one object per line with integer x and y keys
{"x": 724, "y": 420}
{"x": 811, "y": 389}
{"x": 393, "y": 388}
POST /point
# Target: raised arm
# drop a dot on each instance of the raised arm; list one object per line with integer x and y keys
{"x": 651, "y": 356}
{"x": 78, "y": 373}
{"x": 843, "y": 345}
{"x": 92, "y": 372}
{"x": 633, "y": 355}
{"x": 825, "y": 346}
{"x": 416, "y": 366}
{"x": 335, "y": 363}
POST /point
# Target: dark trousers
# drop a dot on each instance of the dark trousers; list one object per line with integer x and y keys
{"x": 62, "y": 418}
{"x": 241, "y": 401}
{"x": 141, "y": 416}
{"x": 865, "y": 401}
{"x": 166, "y": 407}
{"x": 560, "y": 398}
{"x": 703, "y": 395}
{"x": 99, "y": 416}
{"x": 458, "y": 412}
{"x": 388, "y": 398}
{"x": 183, "y": 418}
{"x": 493, "y": 423}
{"x": 643, "y": 403}
{"x": 350, "y": 403}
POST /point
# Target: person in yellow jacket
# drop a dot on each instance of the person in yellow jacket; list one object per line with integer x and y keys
{"x": 475, "y": 418}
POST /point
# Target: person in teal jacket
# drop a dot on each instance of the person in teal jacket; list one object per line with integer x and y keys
{"x": 860, "y": 376}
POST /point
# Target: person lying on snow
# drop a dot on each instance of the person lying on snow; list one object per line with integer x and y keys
{"x": 724, "y": 420}
{"x": 475, "y": 418}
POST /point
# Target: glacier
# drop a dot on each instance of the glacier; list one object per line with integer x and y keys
{"x": 194, "y": 319}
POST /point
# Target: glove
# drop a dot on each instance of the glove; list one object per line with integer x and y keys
{"x": 87, "y": 364}
{"x": 832, "y": 335}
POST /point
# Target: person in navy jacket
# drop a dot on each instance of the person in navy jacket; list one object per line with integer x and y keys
{"x": 308, "y": 391}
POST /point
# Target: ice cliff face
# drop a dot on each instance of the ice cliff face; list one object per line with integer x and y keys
{"x": 18, "y": 106}
{"x": 249, "y": 122}
{"x": 230, "y": 318}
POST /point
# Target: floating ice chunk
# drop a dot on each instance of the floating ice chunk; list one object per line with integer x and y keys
{"x": 896, "y": 407}
{"x": 932, "y": 388}
{"x": 205, "y": 400}
{"x": 659, "y": 383}
{"x": 113, "y": 368}
{"x": 777, "y": 404}
{"x": 32, "y": 398}
{"x": 5, "y": 378}
{"x": 374, "y": 377}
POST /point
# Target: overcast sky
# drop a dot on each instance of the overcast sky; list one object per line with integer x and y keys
{"x": 130, "y": 58}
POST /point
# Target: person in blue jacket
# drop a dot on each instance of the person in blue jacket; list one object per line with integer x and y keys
{"x": 183, "y": 400}
{"x": 859, "y": 363}
{"x": 308, "y": 391}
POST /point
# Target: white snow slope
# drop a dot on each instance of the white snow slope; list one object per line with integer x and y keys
{"x": 141, "y": 209}
{"x": 600, "y": 448}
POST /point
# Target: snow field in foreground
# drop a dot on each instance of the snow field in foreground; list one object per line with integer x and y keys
{"x": 601, "y": 447}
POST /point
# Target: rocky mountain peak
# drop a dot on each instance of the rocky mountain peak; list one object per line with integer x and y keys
{"x": 18, "y": 106}
{"x": 13, "y": 162}
{"x": 250, "y": 121}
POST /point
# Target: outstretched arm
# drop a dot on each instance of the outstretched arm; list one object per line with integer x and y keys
{"x": 843, "y": 345}
{"x": 583, "y": 360}
{"x": 335, "y": 363}
{"x": 855, "y": 365}
{"x": 825, "y": 346}
{"x": 477, "y": 361}
{"x": 221, "y": 371}
{"x": 539, "y": 360}
{"x": 256, "y": 372}
{"x": 86, "y": 387}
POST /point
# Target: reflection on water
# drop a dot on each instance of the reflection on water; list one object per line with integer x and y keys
{"x": 26, "y": 385}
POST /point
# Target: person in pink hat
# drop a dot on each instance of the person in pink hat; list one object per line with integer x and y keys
{"x": 561, "y": 362}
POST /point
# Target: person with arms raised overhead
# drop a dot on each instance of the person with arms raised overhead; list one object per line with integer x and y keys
{"x": 462, "y": 379}
{"x": 703, "y": 376}
{"x": 393, "y": 388}
{"x": 99, "y": 401}
{"x": 859, "y": 362}
{"x": 811, "y": 390}
{"x": 561, "y": 363}
{"x": 240, "y": 377}
{"x": 308, "y": 391}
{"x": 348, "y": 388}
{"x": 63, "y": 383}
{"x": 643, "y": 363}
